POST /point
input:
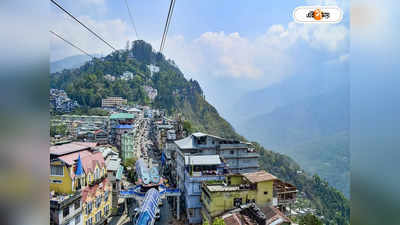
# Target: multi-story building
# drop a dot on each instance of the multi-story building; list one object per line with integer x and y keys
{"x": 111, "y": 102}
{"x": 82, "y": 124}
{"x": 239, "y": 189}
{"x": 66, "y": 209}
{"x": 114, "y": 174}
{"x": 77, "y": 169}
{"x": 240, "y": 157}
{"x": 192, "y": 171}
{"x": 127, "y": 146}
{"x": 210, "y": 157}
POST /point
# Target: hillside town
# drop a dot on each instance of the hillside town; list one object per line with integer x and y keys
{"x": 138, "y": 166}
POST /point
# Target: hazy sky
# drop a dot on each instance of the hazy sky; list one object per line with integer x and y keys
{"x": 230, "y": 47}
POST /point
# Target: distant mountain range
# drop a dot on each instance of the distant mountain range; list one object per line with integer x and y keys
{"x": 70, "y": 62}
{"x": 305, "y": 117}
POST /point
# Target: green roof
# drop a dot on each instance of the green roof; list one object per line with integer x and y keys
{"x": 119, "y": 173}
{"x": 117, "y": 116}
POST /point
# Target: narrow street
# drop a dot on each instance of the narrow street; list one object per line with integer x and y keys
{"x": 146, "y": 150}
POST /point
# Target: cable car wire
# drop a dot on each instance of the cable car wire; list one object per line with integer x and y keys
{"x": 131, "y": 17}
{"x": 91, "y": 31}
{"x": 73, "y": 45}
{"x": 167, "y": 23}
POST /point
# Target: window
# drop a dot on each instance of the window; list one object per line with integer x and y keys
{"x": 89, "y": 207}
{"x": 106, "y": 196}
{"x": 66, "y": 211}
{"x": 56, "y": 181}
{"x": 98, "y": 201}
{"x": 191, "y": 212}
{"x": 232, "y": 152}
{"x": 77, "y": 204}
{"x": 89, "y": 221}
{"x": 237, "y": 202}
{"x": 265, "y": 192}
{"x": 78, "y": 219}
{"x": 106, "y": 209}
{"x": 98, "y": 216}
{"x": 56, "y": 170}
{"x": 97, "y": 174}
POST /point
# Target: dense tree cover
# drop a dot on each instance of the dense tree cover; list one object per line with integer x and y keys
{"x": 131, "y": 163}
{"x": 309, "y": 219}
{"x": 217, "y": 221}
{"x": 326, "y": 199}
{"x": 88, "y": 86}
{"x": 60, "y": 129}
{"x": 90, "y": 111}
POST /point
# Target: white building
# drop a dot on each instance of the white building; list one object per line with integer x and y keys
{"x": 66, "y": 209}
{"x": 127, "y": 75}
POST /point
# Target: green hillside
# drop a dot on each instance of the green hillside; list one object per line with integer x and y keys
{"x": 176, "y": 94}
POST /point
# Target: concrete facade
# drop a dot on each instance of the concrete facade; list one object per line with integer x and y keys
{"x": 235, "y": 156}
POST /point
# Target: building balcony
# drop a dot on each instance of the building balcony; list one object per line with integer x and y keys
{"x": 241, "y": 155}
{"x": 202, "y": 176}
{"x": 232, "y": 146}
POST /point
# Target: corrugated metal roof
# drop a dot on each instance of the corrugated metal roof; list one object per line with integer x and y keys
{"x": 124, "y": 126}
{"x": 199, "y": 134}
{"x": 202, "y": 160}
{"x": 121, "y": 116}
{"x": 259, "y": 176}
{"x": 70, "y": 147}
{"x": 186, "y": 143}
{"x": 134, "y": 110}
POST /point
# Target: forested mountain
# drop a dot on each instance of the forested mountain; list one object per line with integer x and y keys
{"x": 176, "y": 94}
{"x": 314, "y": 131}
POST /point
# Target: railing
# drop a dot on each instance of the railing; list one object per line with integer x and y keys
{"x": 225, "y": 146}
{"x": 285, "y": 201}
{"x": 58, "y": 203}
{"x": 204, "y": 177}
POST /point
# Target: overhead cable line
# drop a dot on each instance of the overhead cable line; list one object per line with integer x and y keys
{"x": 167, "y": 22}
{"x": 90, "y": 30}
{"x": 73, "y": 45}
{"x": 131, "y": 17}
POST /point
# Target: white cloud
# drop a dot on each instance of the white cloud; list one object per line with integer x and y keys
{"x": 266, "y": 58}
{"x": 114, "y": 31}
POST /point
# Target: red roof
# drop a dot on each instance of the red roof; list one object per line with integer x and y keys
{"x": 92, "y": 190}
{"x": 89, "y": 162}
{"x": 71, "y": 147}
{"x": 70, "y": 158}
{"x": 272, "y": 214}
{"x": 99, "y": 131}
{"x": 233, "y": 219}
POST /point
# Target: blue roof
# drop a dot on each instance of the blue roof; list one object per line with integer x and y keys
{"x": 124, "y": 126}
{"x": 149, "y": 207}
{"x": 79, "y": 170}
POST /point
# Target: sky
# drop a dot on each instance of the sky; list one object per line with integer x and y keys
{"x": 230, "y": 47}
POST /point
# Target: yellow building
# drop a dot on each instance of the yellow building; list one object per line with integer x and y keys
{"x": 75, "y": 167}
{"x": 237, "y": 190}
